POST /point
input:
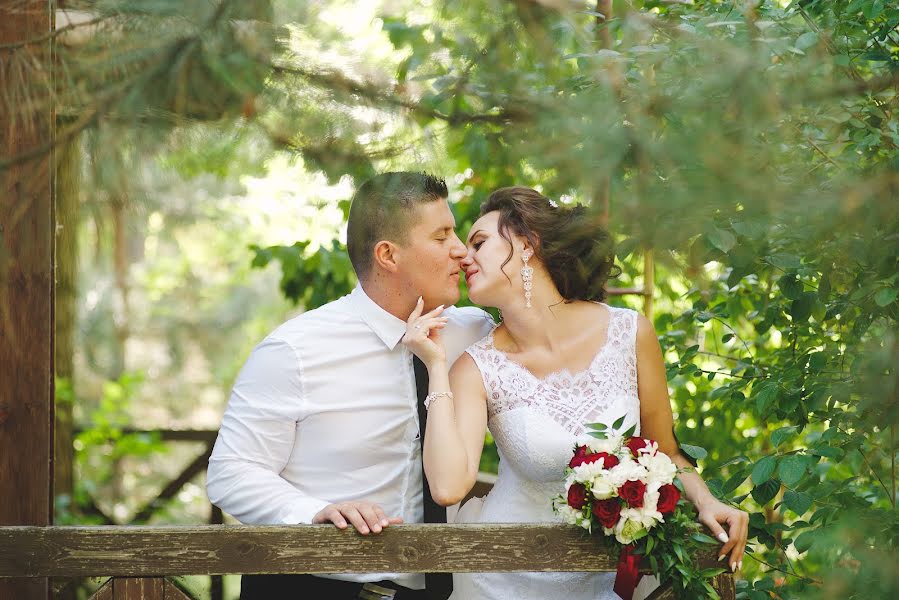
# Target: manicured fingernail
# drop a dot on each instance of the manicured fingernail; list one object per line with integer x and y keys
{"x": 440, "y": 307}
{"x": 740, "y": 565}
{"x": 733, "y": 567}
{"x": 363, "y": 530}
{"x": 385, "y": 522}
{"x": 722, "y": 537}
{"x": 419, "y": 300}
{"x": 720, "y": 558}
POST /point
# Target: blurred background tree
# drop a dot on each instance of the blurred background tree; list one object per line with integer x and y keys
{"x": 211, "y": 150}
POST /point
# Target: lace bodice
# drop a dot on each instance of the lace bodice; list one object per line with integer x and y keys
{"x": 535, "y": 422}
{"x": 571, "y": 399}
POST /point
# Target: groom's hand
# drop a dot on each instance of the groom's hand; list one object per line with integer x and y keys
{"x": 366, "y": 517}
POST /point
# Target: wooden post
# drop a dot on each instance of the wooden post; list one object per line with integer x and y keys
{"x": 26, "y": 283}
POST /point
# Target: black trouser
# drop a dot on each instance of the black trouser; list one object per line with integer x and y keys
{"x": 309, "y": 587}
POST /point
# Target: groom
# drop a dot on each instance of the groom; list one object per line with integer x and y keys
{"x": 323, "y": 421}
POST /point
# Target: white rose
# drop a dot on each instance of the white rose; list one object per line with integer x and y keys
{"x": 611, "y": 444}
{"x": 603, "y": 489}
{"x": 659, "y": 467}
{"x": 627, "y": 470}
{"x": 628, "y": 530}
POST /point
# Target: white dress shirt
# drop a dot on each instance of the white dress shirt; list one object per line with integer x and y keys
{"x": 325, "y": 411}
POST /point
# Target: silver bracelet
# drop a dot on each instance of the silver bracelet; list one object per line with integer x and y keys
{"x": 436, "y": 396}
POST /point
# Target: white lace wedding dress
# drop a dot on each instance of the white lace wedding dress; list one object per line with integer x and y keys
{"x": 535, "y": 422}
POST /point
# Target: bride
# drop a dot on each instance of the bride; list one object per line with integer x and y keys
{"x": 560, "y": 358}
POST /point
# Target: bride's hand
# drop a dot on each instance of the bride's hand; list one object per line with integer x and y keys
{"x": 423, "y": 334}
{"x": 713, "y": 515}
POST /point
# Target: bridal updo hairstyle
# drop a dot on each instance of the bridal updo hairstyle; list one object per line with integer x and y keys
{"x": 577, "y": 251}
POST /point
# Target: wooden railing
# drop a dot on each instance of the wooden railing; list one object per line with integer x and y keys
{"x": 138, "y": 558}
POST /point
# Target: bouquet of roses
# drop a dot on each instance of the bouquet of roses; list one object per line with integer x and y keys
{"x": 625, "y": 487}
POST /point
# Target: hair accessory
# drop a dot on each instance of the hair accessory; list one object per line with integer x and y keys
{"x": 527, "y": 276}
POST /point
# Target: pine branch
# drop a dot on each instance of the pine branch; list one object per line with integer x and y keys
{"x": 338, "y": 82}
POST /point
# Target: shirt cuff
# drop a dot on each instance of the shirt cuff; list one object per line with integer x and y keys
{"x": 302, "y": 512}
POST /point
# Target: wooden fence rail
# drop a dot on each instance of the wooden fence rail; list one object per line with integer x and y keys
{"x": 139, "y": 552}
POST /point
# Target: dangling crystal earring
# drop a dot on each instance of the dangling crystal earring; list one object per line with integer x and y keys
{"x": 527, "y": 275}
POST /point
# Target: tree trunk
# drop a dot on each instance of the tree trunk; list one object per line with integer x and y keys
{"x": 26, "y": 279}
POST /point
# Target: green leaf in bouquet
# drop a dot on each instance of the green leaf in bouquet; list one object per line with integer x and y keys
{"x": 703, "y": 538}
{"x": 596, "y": 426}
{"x": 598, "y": 435}
{"x": 630, "y": 431}
{"x": 650, "y": 544}
{"x": 694, "y": 452}
{"x": 618, "y": 422}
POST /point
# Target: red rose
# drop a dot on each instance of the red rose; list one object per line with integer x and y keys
{"x": 668, "y": 497}
{"x": 607, "y": 511}
{"x": 577, "y": 496}
{"x": 578, "y": 458}
{"x": 636, "y": 444}
{"x": 632, "y": 493}
{"x": 609, "y": 460}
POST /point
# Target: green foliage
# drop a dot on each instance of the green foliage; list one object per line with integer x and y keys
{"x": 100, "y": 445}
{"x": 751, "y": 145}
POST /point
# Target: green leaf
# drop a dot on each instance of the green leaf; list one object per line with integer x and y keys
{"x": 873, "y": 9}
{"x": 597, "y": 426}
{"x": 807, "y": 40}
{"x": 764, "y": 469}
{"x": 694, "y": 452}
{"x": 790, "y": 286}
{"x": 598, "y": 435}
{"x": 801, "y": 308}
{"x": 798, "y": 502}
{"x": 805, "y": 541}
{"x": 784, "y": 261}
{"x": 886, "y": 296}
{"x": 722, "y": 239}
{"x": 733, "y": 482}
{"x": 618, "y": 422}
{"x": 779, "y": 435}
{"x": 766, "y": 393}
{"x": 791, "y": 469}
{"x": 703, "y": 538}
{"x": 765, "y": 492}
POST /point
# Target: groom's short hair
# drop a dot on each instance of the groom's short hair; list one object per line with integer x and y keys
{"x": 383, "y": 208}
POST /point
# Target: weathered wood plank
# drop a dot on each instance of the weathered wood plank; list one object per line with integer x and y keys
{"x": 105, "y": 591}
{"x": 138, "y": 588}
{"x": 26, "y": 278}
{"x": 223, "y": 549}
{"x": 173, "y": 592}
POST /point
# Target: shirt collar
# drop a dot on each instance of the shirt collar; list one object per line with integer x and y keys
{"x": 386, "y": 326}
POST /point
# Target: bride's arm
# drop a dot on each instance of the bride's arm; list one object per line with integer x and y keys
{"x": 457, "y": 422}
{"x": 455, "y": 434}
{"x": 657, "y": 423}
